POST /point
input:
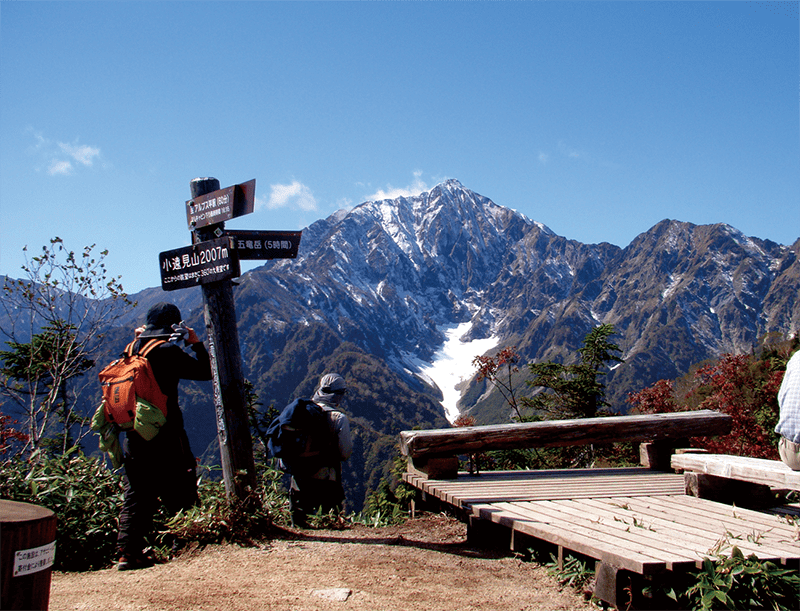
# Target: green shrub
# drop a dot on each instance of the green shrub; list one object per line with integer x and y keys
{"x": 391, "y": 502}
{"x": 216, "y": 519}
{"x": 739, "y": 582}
{"x": 574, "y": 572}
{"x": 84, "y": 495}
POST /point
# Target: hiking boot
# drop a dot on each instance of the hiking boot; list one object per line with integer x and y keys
{"x": 131, "y": 563}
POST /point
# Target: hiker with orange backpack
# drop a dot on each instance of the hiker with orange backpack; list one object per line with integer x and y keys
{"x": 159, "y": 464}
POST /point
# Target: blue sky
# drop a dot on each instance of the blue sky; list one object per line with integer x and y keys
{"x": 598, "y": 119}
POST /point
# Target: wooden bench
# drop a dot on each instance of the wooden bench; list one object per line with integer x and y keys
{"x": 434, "y": 452}
{"x": 636, "y": 523}
{"x": 772, "y": 473}
{"x": 739, "y": 480}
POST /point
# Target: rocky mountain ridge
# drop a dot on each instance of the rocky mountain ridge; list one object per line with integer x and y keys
{"x": 389, "y": 276}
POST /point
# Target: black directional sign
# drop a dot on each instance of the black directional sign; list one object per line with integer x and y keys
{"x": 201, "y": 263}
{"x": 221, "y": 205}
{"x": 265, "y": 244}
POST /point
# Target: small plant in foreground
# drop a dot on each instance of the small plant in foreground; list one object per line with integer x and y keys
{"x": 739, "y": 582}
{"x": 217, "y": 519}
{"x": 574, "y": 572}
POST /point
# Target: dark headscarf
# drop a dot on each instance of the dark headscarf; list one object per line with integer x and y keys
{"x": 160, "y": 319}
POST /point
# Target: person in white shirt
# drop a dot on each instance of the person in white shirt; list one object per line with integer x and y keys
{"x": 789, "y": 420}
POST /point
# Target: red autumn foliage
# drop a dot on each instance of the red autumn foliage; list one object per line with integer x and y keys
{"x": 499, "y": 371}
{"x": 8, "y": 434}
{"x": 741, "y": 385}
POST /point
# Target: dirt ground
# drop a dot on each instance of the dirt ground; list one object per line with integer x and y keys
{"x": 424, "y": 564}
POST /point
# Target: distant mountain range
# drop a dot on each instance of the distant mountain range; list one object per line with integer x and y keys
{"x": 374, "y": 288}
{"x": 390, "y": 276}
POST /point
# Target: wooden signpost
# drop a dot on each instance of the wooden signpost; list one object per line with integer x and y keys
{"x": 211, "y": 261}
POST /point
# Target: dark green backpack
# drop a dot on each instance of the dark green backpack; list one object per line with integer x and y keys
{"x": 301, "y": 437}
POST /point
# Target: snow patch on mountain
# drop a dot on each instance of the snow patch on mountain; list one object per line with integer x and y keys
{"x": 451, "y": 366}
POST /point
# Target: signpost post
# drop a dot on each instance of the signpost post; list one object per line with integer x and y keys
{"x": 211, "y": 261}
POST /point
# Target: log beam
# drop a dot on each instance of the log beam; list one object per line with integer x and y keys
{"x": 556, "y": 433}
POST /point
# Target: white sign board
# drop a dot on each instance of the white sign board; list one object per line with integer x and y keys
{"x": 33, "y": 560}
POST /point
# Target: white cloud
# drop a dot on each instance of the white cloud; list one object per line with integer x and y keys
{"x": 568, "y": 151}
{"x": 83, "y": 154}
{"x": 544, "y": 157}
{"x": 61, "y": 158}
{"x": 415, "y": 188}
{"x": 59, "y": 168}
{"x": 294, "y": 195}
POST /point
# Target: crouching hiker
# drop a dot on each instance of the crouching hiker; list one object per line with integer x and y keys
{"x": 159, "y": 464}
{"x": 311, "y": 439}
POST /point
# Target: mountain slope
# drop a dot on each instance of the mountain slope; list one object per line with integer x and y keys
{"x": 390, "y": 276}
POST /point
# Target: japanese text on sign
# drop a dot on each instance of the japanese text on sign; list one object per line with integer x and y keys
{"x": 216, "y": 208}
{"x": 221, "y": 205}
{"x": 201, "y": 263}
{"x": 266, "y": 244}
{"x": 259, "y": 244}
{"x": 28, "y": 561}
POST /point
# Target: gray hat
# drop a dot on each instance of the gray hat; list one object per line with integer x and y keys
{"x": 332, "y": 388}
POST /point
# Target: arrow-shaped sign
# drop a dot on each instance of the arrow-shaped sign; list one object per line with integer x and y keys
{"x": 222, "y": 205}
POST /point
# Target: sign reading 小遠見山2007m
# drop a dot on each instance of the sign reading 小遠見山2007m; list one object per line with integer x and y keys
{"x": 201, "y": 263}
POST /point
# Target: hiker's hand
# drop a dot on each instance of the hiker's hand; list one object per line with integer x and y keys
{"x": 183, "y": 333}
{"x": 138, "y": 331}
{"x": 192, "y": 337}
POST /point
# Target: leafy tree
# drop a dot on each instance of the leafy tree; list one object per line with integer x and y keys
{"x": 53, "y": 321}
{"x": 499, "y": 371}
{"x": 656, "y": 399}
{"x": 745, "y": 386}
{"x": 575, "y": 391}
{"x": 43, "y": 367}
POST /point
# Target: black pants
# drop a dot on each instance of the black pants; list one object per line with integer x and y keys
{"x": 307, "y": 496}
{"x": 153, "y": 475}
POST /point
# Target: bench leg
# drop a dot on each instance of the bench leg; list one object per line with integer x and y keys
{"x": 486, "y": 534}
{"x": 435, "y": 468}
{"x": 610, "y": 585}
{"x": 656, "y": 455}
{"x": 626, "y": 590}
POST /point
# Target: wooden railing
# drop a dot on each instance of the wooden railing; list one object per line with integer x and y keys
{"x": 434, "y": 451}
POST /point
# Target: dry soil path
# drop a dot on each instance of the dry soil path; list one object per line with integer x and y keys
{"x": 423, "y": 565}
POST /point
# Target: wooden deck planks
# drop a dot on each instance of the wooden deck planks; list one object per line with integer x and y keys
{"x": 634, "y": 519}
{"x": 668, "y": 529}
{"x": 582, "y": 540}
{"x": 583, "y": 483}
{"x": 773, "y": 540}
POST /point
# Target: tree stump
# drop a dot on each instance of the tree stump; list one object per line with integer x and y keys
{"x": 27, "y": 550}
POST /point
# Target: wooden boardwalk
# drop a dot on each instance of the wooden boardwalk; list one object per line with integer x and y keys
{"x": 632, "y": 519}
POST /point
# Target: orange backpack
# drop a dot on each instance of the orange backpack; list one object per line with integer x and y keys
{"x": 127, "y": 378}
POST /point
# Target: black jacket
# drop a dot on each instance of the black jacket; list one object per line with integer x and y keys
{"x": 170, "y": 364}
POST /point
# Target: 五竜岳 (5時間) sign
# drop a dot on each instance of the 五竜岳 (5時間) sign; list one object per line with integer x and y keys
{"x": 201, "y": 263}
{"x": 265, "y": 244}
